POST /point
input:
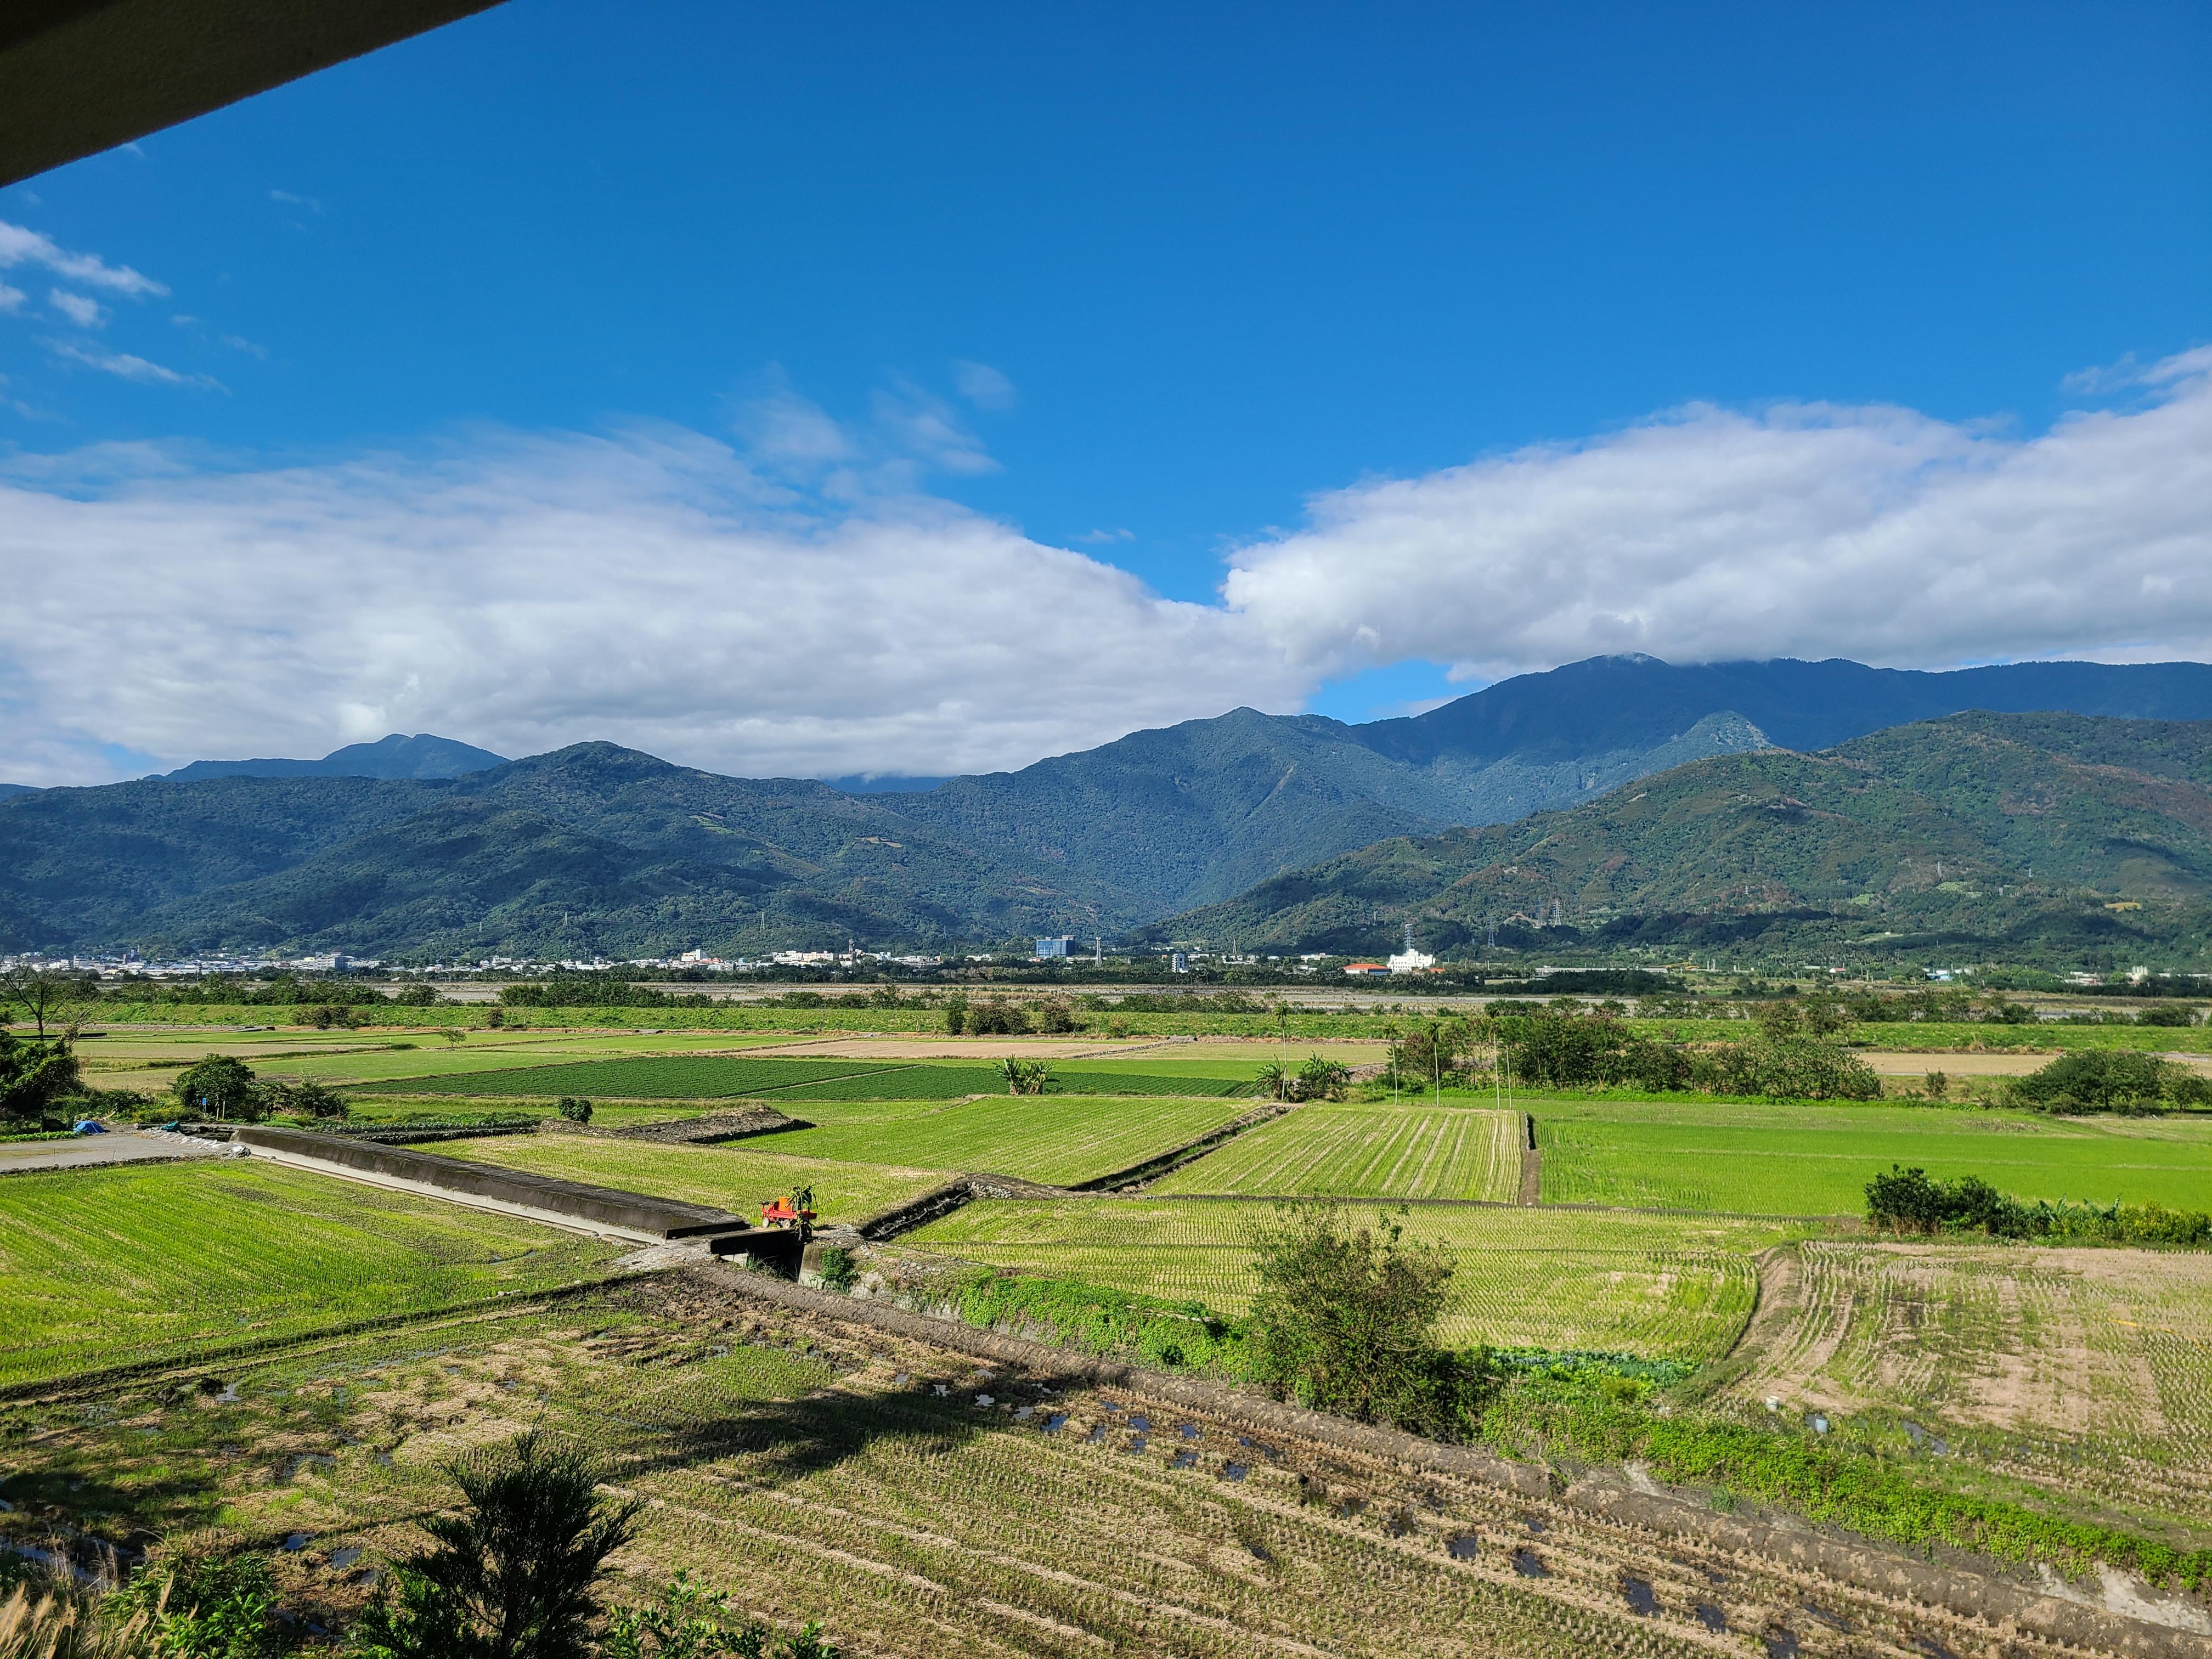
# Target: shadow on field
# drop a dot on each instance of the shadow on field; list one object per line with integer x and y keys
{"x": 799, "y": 1437}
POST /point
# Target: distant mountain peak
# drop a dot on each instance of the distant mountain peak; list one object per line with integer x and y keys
{"x": 398, "y": 756}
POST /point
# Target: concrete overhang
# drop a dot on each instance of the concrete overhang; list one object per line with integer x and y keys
{"x": 79, "y": 76}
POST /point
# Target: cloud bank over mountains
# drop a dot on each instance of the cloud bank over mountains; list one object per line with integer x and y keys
{"x": 794, "y": 600}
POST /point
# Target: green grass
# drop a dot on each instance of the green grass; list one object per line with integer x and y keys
{"x": 1364, "y": 1151}
{"x": 1055, "y": 1138}
{"x": 738, "y": 1178}
{"x": 1816, "y": 1159}
{"x": 942, "y": 1081}
{"x": 1662, "y": 1286}
{"x": 104, "y": 1267}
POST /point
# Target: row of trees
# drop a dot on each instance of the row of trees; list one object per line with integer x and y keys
{"x": 1566, "y": 1044}
{"x": 227, "y": 1089}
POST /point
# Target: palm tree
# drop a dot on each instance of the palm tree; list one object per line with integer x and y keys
{"x": 512, "y": 1577}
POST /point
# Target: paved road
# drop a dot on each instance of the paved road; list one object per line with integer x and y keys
{"x": 123, "y": 1146}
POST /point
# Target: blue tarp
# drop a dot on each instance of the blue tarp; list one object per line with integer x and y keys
{"x": 88, "y": 1128}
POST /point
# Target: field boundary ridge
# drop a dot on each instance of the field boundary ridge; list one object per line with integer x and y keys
{"x": 1190, "y": 1151}
{"x": 208, "y": 1358}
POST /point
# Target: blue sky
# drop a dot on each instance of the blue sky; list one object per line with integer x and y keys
{"x": 1137, "y": 283}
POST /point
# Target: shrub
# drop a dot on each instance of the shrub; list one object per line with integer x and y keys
{"x": 2167, "y": 1013}
{"x": 306, "y": 1098}
{"x": 1024, "y": 1077}
{"x": 575, "y": 1108}
{"x": 206, "y": 1609}
{"x": 1906, "y": 1201}
{"x": 1346, "y": 1320}
{"x": 996, "y": 1017}
{"x": 690, "y": 1621}
{"x": 1056, "y": 1017}
{"x": 840, "y": 1271}
{"x": 955, "y": 1015}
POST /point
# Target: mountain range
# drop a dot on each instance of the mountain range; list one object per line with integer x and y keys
{"x": 2027, "y": 833}
{"x": 423, "y": 846}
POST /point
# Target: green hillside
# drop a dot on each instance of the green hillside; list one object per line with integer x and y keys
{"x": 2020, "y": 831}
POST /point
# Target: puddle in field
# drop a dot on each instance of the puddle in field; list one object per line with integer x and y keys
{"x": 1711, "y": 1617}
{"x": 296, "y": 1541}
{"x": 1465, "y": 1547}
{"x": 1184, "y": 1460}
{"x": 1055, "y": 1422}
{"x": 1140, "y": 1423}
{"x": 1782, "y": 1644}
{"x": 1637, "y": 1593}
{"x": 1136, "y": 1443}
{"x": 1534, "y": 1523}
{"x": 1098, "y": 1433}
{"x": 341, "y": 1559}
{"x": 1929, "y": 1647}
{"x": 1234, "y": 1471}
{"x": 1530, "y": 1564}
{"x": 1190, "y": 1431}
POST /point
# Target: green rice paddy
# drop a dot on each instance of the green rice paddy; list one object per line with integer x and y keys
{"x": 1364, "y": 1151}
{"x": 738, "y": 1178}
{"x": 720, "y": 1076}
{"x": 1663, "y": 1286}
{"x": 133, "y": 1262}
{"x": 1816, "y": 1159}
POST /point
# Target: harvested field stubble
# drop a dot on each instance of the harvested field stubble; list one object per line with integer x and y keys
{"x": 2076, "y": 1369}
{"x": 919, "y": 1506}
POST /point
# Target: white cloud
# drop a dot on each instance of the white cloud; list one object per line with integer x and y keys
{"x": 128, "y": 367}
{"x": 20, "y": 246}
{"x": 654, "y": 587}
{"x": 1806, "y": 531}
{"x": 11, "y": 299}
{"x": 797, "y": 606}
{"x": 984, "y": 386}
{"x": 85, "y": 312}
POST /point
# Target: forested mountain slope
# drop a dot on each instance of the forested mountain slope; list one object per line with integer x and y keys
{"x": 2022, "y": 829}
{"x": 1197, "y": 812}
{"x": 593, "y": 848}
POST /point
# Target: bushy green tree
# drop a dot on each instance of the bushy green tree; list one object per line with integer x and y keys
{"x": 575, "y": 1108}
{"x": 514, "y": 1575}
{"x": 219, "y": 1086}
{"x": 34, "y": 1077}
{"x": 2109, "y": 1081}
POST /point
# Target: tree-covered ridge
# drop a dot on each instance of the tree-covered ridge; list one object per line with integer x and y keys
{"x": 1979, "y": 826}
